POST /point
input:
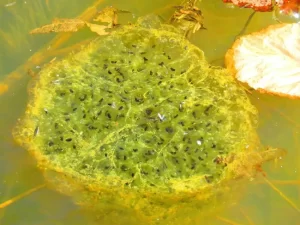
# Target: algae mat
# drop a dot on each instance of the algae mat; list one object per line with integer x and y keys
{"x": 142, "y": 122}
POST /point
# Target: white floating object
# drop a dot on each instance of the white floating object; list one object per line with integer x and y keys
{"x": 268, "y": 60}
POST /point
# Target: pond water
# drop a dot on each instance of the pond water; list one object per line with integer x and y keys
{"x": 263, "y": 203}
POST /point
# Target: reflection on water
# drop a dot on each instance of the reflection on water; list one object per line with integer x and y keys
{"x": 279, "y": 120}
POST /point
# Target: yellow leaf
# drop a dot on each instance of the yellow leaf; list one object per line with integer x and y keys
{"x": 99, "y": 29}
{"x": 60, "y": 25}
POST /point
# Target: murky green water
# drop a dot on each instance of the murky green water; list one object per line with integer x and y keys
{"x": 279, "y": 117}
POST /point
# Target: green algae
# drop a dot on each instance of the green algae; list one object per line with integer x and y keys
{"x": 141, "y": 119}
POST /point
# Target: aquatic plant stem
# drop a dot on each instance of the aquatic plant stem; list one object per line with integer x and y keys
{"x": 67, "y": 50}
{"x": 5, "y": 195}
{"x": 282, "y": 195}
{"x": 20, "y": 196}
{"x": 227, "y": 221}
{"x": 296, "y": 124}
{"x": 238, "y": 35}
{"x": 283, "y": 182}
{"x": 246, "y": 25}
{"x": 40, "y": 56}
{"x": 250, "y": 222}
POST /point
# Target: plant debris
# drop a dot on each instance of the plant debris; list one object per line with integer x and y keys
{"x": 188, "y": 17}
{"x": 108, "y": 15}
{"x": 285, "y": 6}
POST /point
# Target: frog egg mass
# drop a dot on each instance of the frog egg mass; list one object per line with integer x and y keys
{"x": 139, "y": 120}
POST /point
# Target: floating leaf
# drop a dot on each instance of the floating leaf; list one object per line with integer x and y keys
{"x": 268, "y": 60}
{"x": 60, "y": 25}
{"x": 99, "y": 29}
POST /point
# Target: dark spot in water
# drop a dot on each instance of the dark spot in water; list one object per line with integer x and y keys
{"x": 206, "y": 111}
{"x": 194, "y": 114}
{"x": 181, "y": 123}
{"x": 91, "y": 127}
{"x": 208, "y": 179}
{"x": 144, "y": 173}
{"x": 138, "y": 99}
{"x": 150, "y": 152}
{"x": 82, "y": 98}
{"x": 100, "y": 101}
{"x": 124, "y": 168}
{"x": 218, "y": 160}
{"x": 169, "y": 130}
